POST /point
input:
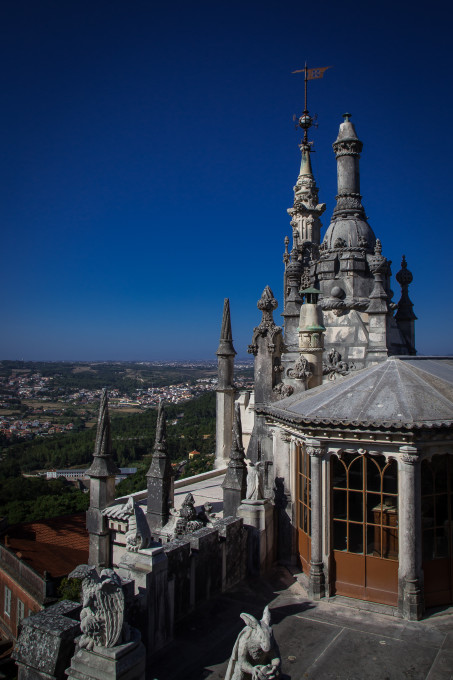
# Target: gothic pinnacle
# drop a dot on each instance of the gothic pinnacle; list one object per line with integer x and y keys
{"x": 226, "y": 337}
{"x": 160, "y": 444}
{"x": 103, "y": 444}
{"x": 103, "y": 464}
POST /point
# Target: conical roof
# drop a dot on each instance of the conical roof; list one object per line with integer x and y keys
{"x": 402, "y": 392}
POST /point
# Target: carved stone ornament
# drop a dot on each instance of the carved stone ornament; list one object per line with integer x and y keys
{"x": 255, "y": 489}
{"x": 283, "y": 390}
{"x": 301, "y": 369}
{"x": 316, "y": 451}
{"x": 350, "y": 147}
{"x": 333, "y": 365}
{"x": 186, "y": 520}
{"x": 340, "y": 243}
{"x": 267, "y": 328}
{"x": 138, "y": 535}
{"x": 102, "y": 616}
{"x": 409, "y": 458}
{"x": 255, "y": 655}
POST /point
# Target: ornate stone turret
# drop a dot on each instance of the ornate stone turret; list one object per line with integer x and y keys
{"x": 225, "y": 392}
{"x": 405, "y": 316}
{"x": 267, "y": 346}
{"x": 352, "y": 274}
{"x": 159, "y": 477}
{"x": 306, "y": 229}
{"x": 235, "y": 482}
{"x": 102, "y": 488}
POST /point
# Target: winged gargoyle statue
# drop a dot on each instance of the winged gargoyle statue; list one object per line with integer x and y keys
{"x": 102, "y": 616}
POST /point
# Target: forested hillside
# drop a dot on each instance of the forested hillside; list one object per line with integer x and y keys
{"x": 190, "y": 426}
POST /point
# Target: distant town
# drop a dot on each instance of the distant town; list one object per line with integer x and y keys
{"x": 56, "y": 399}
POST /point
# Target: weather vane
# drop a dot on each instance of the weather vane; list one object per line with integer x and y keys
{"x": 305, "y": 120}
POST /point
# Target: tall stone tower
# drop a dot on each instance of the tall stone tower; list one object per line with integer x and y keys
{"x": 225, "y": 393}
{"x": 102, "y": 488}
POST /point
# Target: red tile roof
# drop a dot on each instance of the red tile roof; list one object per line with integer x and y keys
{"x": 55, "y": 545}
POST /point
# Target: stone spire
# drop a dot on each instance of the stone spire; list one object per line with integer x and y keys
{"x": 405, "y": 316}
{"x": 306, "y": 230}
{"x": 349, "y": 226}
{"x": 225, "y": 391}
{"x": 235, "y": 482}
{"x": 102, "y": 474}
{"x": 225, "y": 347}
{"x": 103, "y": 464}
{"x": 159, "y": 477}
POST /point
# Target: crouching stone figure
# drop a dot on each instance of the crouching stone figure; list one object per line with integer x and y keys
{"x": 102, "y": 616}
{"x": 255, "y": 653}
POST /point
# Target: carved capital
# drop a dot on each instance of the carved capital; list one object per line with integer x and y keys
{"x": 315, "y": 452}
{"x": 409, "y": 455}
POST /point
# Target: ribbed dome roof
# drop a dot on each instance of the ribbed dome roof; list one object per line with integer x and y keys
{"x": 352, "y": 230}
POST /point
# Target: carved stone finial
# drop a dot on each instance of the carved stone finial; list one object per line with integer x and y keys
{"x": 255, "y": 653}
{"x": 404, "y": 276}
{"x": 405, "y": 312}
{"x": 103, "y": 464}
{"x": 160, "y": 444}
{"x": 378, "y": 247}
{"x": 226, "y": 337}
{"x": 267, "y": 303}
{"x": 103, "y": 444}
{"x": 102, "y": 616}
{"x": 286, "y": 254}
{"x": 159, "y": 477}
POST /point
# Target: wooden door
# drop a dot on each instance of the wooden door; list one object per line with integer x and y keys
{"x": 304, "y": 508}
{"x": 437, "y": 527}
{"x": 365, "y": 527}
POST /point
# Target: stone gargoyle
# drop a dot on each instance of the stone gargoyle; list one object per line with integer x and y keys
{"x": 255, "y": 653}
{"x": 102, "y": 616}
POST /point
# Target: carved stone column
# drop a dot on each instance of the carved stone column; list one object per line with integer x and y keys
{"x": 316, "y": 452}
{"x": 410, "y": 576}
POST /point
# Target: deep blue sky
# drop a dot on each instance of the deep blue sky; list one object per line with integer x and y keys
{"x": 148, "y": 155}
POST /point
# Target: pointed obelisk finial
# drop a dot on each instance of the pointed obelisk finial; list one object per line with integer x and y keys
{"x": 226, "y": 336}
{"x": 102, "y": 474}
{"x": 160, "y": 444}
{"x": 405, "y": 316}
{"x": 103, "y": 445}
{"x": 103, "y": 464}
{"x": 159, "y": 478}
{"x": 235, "y": 482}
{"x": 225, "y": 391}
